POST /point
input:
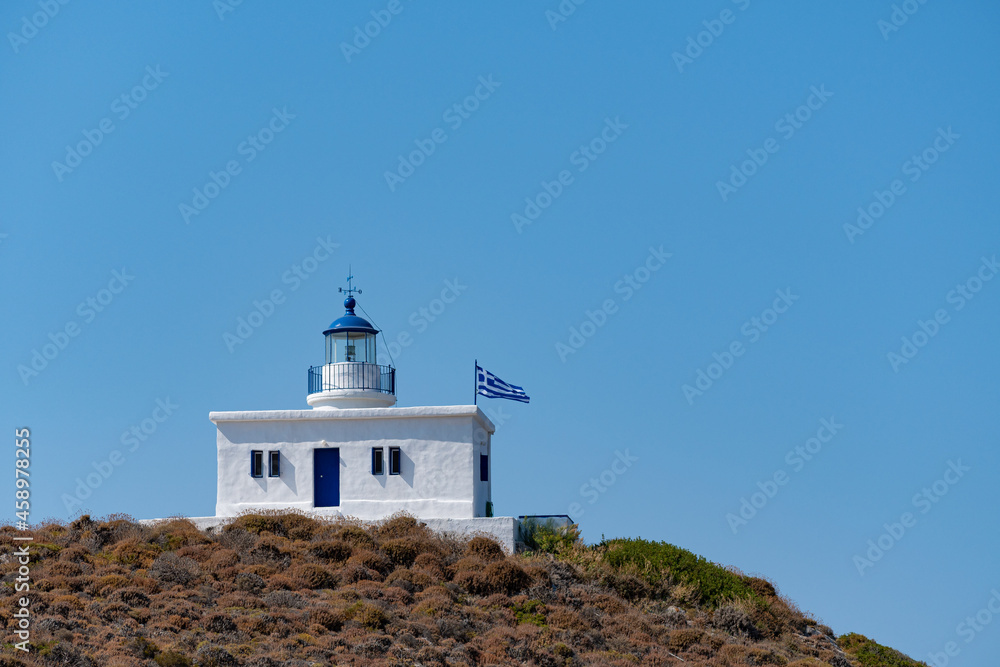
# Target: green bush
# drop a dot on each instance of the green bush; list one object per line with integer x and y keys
{"x": 531, "y": 611}
{"x": 872, "y": 654}
{"x": 547, "y": 536}
{"x": 172, "y": 659}
{"x": 658, "y": 560}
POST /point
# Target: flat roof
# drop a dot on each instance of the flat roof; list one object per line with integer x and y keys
{"x": 334, "y": 414}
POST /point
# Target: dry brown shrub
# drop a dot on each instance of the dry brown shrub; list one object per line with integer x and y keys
{"x": 331, "y": 619}
{"x": 496, "y": 600}
{"x": 402, "y": 551}
{"x": 431, "y": 563}
{"x": 314, "y": 576}
{"x": 74, "y": 553}
{"x": 220, "y": 623}
{"x": 249, "y": 582}
{"x": 609, "y": 604}
{"x": 131, "y": 596}
{"x": 269, "y": 550}
{"x": 409, "y": 580}
{"x": 371, "y": 616}
{"x": 135, "y": 553}
{"x": 256, "y": 624}
{"x": 567, "y": 619}
{"x": 539, "y": 576}
{"x": 175, "y": 533}
{"x": 336, "y": 551}
{"x": 355, "y": 573}
{"x": 371, "y": 590}
{"x": 467, "y": 564}
{"x": 240, "y": 600}
{"x": 107, "y": 584}
{"x": 64, "y": 605}
{"x": 169, "y": 568}
{"x": 761, "y": 587}
{"x": 352, "y": 534}
{"x": 283, "y": 582}
{"x": 262, "y": 570}
{"x": 683, "y": 639}
{"x": 371, "y": 560}
{"x": 397, "y": 596}
{"x": 434, "y": 606}
{"x": 484, "y": 548}
{"x": 400, "y": 524}
{"x": 505, "y": 576}
{"x": 64, "y": 568}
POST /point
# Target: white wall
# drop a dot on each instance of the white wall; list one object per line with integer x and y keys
{"x": 440, "y": 460}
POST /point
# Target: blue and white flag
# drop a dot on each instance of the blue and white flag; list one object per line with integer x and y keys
{"x": 491, "y": 386}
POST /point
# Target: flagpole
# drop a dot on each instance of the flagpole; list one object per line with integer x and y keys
{"x": 475, "y": 383}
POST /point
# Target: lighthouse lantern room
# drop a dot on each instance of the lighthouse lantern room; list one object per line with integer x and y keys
{"x": 351, "y": 376}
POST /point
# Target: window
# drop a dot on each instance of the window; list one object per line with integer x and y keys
{"x": 394, "y": 457}
{"x": 378, "y": 461}
{"x": 256, "y": 463}
{"x": 484, "y": 468}
{"x": 274, "y": 464}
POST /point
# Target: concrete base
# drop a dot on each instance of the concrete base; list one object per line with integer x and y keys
{"x": 503, "y": 529}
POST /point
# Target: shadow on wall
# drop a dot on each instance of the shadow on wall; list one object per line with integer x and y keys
{"x": 406, "y": 468}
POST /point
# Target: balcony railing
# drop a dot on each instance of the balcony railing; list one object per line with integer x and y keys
{"x": 352, "y": 375}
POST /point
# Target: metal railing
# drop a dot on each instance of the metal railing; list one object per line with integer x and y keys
{"x": 352, "y": 375}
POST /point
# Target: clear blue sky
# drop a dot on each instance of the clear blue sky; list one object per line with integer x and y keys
{"x": 659, "y": 133}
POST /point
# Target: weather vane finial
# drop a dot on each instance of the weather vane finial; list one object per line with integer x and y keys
{"x": 350, "y": 290}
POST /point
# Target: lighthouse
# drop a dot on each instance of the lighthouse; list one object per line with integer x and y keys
{"x": 355, "y": 452}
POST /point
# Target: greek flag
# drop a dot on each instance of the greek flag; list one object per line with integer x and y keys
{"x": 491, "y": 386}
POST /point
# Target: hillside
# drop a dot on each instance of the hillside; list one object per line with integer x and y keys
{"x": 285, "y": 589}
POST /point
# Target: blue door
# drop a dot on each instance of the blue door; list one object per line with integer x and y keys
{"x": 326, "y": 477}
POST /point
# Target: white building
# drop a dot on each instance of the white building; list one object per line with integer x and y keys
{"x": 355, "y": 454}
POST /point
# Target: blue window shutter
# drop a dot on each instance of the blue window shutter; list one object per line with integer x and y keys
{"x": 484, "y": 468}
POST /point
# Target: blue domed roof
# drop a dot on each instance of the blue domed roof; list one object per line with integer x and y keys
{"x": 350, "y": 322}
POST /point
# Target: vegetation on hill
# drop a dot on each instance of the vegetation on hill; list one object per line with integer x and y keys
{"x": 286, "y": 589}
